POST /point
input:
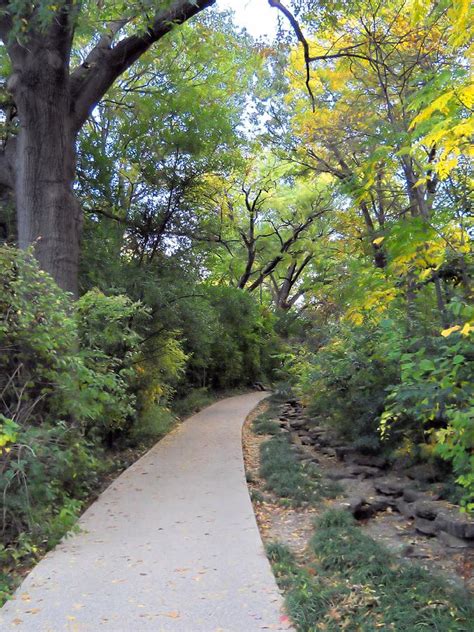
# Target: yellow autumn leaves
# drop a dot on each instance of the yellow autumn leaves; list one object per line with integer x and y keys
{"x": 465, "y": 330}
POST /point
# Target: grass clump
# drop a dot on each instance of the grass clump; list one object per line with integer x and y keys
{"x": 356, "y": 584}
{"x": 264, "y": 424}
{"x": 152, "y": 425}
{"x": 195, "y": 400}
{"x": 287, "y": 477}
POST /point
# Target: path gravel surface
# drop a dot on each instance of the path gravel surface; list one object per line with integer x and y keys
{"x": 172, "y": 545}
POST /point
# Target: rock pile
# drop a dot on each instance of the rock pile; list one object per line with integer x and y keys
{"x": 393, "y": 487}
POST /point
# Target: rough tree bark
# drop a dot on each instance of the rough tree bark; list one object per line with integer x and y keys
{"x": 52, "y": 103}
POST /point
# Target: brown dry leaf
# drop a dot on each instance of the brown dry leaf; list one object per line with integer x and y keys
{"x": 25, "y": 597}
{"x": 17, "y": 621}
{"x": 174, "y": 614}
{"x": 34, "y": 610}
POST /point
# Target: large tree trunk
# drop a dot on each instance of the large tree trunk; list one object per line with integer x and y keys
{"x": 48, "y": 214}
{"x": 52, "y": 103}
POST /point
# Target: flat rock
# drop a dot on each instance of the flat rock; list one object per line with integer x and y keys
{"x": 427, "y": 509}
{"x": 453, "y": 542}
{"x": 455, "y": 523}
{"x": 410, "y": 494}
{"x": 336, "y": 474}
{"x": 362, "y": 508}
{"x": 390, "y": 486}
{"x": 365, "y": 470}
{"x": 297, "y": 423}
{"x": 424, "y": 472}
{"x": 344, "y": 450}
{"x": 370, "y": 460}
{"x": 426, "y": 527}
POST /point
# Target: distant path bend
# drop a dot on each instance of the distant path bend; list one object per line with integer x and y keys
{"x": 172, "y": 545}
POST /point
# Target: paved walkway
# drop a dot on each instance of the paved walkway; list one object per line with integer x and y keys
{"x": 172, "y": 545}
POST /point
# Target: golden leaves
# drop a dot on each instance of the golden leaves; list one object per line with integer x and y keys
{"x": 465, "y": 330}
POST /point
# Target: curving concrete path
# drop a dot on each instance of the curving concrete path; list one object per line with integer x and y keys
{"x": 172, "y": 545}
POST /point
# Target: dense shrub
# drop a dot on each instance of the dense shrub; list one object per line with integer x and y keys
{"x": 433, "y": 403}
{"x": 344, "y": 382}
{"x": 66, "y": 380}
{"x": 243, "y": 339}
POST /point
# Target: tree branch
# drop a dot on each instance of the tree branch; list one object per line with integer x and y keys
{"x": 302, "y": 39}
{"x": 91, "y": 80}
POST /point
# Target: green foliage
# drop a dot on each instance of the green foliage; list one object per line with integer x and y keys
{"x": 241, "y": 341}
{"x": 266, "y": 422}
{"x": 37, "y": 339}
{"x": 265, "y": 425}
{"x": 344, "y": 382}
{"x": 45, "y": 473}
{"x": 101, "y": 389}
{"x": 159, "y": 369}
{"x": 194, "y": 401}
{"x": 66, "y": 379}
{"x": 151, "y": 425}
{"x": 434, "y": 400}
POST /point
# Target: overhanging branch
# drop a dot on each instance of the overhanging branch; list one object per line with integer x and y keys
{"x": 302, "y": 39}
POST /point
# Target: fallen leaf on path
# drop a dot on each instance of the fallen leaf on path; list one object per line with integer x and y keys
{"x": 174, "y": 614}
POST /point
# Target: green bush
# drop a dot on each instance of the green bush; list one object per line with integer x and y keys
{"x": 264, "y": 425}
{"x": 433, "y": 403}
{"x": 195, "y": 400}
{"x": 67, "y": 379}
{"x": 152, "y": 425}
{"x": 38, "y": 341}
{"x": 243, "y": 340}
{"x": 344, "y": 382}
{"x": 45, "y": 472}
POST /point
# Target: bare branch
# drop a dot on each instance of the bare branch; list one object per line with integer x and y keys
{"x": 301, "y": 38}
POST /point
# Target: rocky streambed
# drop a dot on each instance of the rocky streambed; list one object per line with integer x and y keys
{"x": 399, "y": 505}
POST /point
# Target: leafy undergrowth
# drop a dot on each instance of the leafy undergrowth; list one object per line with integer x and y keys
{"x": 195, "y": 400}
{"x": 357, "y": 584}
